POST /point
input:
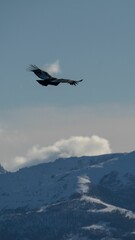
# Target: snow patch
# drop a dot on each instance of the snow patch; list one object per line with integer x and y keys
{"x": 83, "y": 184}
{"x": 108, "y": 207}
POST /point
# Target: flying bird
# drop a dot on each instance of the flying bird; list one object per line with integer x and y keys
{"x": 47, "y": 79}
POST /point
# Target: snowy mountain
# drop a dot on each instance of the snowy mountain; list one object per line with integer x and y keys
{"x": 70, "y": 199}
{"x": 2, "y": 170}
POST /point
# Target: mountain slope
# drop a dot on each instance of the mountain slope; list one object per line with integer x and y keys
{"x": 82, "y": 198}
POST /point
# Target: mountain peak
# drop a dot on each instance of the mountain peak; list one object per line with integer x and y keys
{"x": 2, "y": 170}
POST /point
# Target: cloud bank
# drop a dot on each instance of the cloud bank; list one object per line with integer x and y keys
{"x": 74, "y": 146}
{"x": 26, "y": 131}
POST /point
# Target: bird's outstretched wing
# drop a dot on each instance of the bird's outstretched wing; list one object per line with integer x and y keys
{"x": 40, "y": 73}
{"x": 71, "y": 82}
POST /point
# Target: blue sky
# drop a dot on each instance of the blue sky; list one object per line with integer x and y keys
{"x": 91, "y": 39}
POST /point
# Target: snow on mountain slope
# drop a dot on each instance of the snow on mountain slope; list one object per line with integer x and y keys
{"x": 104, "y": 207}
{"x": 47, "y": 183}
{"x": 82, "y": 198}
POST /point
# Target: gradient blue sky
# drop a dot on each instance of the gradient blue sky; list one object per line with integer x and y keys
{"x": 91, "y": 39}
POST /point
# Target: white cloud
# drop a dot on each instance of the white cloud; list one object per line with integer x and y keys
{"x": 20, "y": 129}
{"x": 53, "y": 68}
{"x": 74, "y": 146}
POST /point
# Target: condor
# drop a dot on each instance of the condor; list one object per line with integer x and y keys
{"x": 47, "y": 79}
